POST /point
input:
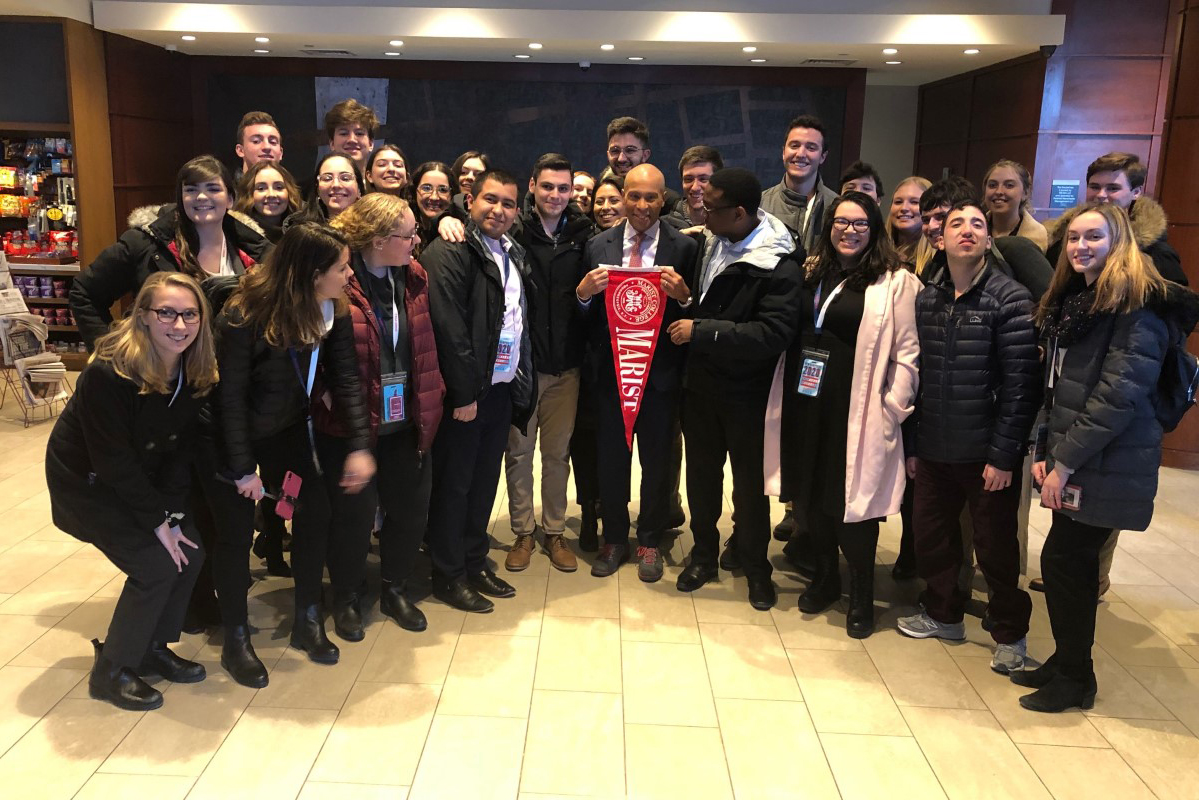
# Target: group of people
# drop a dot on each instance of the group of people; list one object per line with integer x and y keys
{"x": 367, "y": 357}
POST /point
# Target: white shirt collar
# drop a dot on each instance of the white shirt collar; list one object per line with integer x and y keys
{"x": 650, "y": 235}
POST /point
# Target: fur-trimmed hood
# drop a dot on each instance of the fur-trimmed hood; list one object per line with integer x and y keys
{"x": 1147, "y": 216}
{"x": 144, "y": 217}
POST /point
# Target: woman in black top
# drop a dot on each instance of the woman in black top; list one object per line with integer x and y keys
{"x": 336, "y": 185}
{"x": 267, "y": 194}
{"x": 118, "y": 467}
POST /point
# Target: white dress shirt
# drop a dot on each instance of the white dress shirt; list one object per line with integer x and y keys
{"x": 513, "y": 319}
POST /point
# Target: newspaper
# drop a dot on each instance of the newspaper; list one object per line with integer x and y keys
{"x": 43, "y": 377}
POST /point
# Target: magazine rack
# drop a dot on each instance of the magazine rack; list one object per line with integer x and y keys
{"x": 14, "y": 347}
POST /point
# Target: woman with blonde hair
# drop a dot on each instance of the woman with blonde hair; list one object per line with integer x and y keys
{"x": 118, "y": 467}
{"x": 1105, "y": 327}
{"x": 1007, "y": 192}
{"x": 388, "y": 296}
{"x": 904, "y": 226}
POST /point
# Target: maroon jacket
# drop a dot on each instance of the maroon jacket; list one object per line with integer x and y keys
{"x": 424, "y": 378}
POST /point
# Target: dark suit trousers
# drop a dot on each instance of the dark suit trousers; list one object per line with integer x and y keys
{"x": 715, "y": 426}
{"x": 467, "y": 457}
{"x": 583, "y": 457}
{"x": 654, "y": 433}
{"x": 154, "y": 601}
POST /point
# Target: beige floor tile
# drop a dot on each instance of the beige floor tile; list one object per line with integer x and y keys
{"x": 68, "y": 644}
{"x": 182, "y": 737}
{"x": 668, "y": 762}
{"x": 26, "y": 694}
{"x": 490, "y": 676}
{"x": 1121, "y": 694}
{"x": 1164, "y": 754}
{"x": 1166, "y": 608}
{"x": 514, "y": 616}
{"x": 18, "y": 632}
{"x": 1083, "y": 773}
{"x": 270, "y": 644}
{"x": 1027, "y": 727}
{"x": 575, "y": 745}
{"x": 666, "y": 684}
{"x": 21, "y": 525}
{"x": 1148, "y": 542}
{"x": 495, "y": 746}
{"x": 314, "y": 790}
{"x": 579, "y": 654}
{"x": 656, "y": 612}
{"x": 761, "y": 735}
{"x": 1130, "y": 639}
{"x": 726, "y": 601}
{"x": 801, "y": 631}
{"x": 62, "y": 588}
{"x": 159, "y": 787}
{"x": 400, "y": 656}
{"x": 298, "y": 682}
{"x": 25, "y": 562}
{"x": 920, "y": 672}
{"x": 748, "y": 662}
{"x": 1177, "y": 689}
{"x": 58, "y": 756}
{"x": 294, "y": 736}
{"x": 578, "y": 594}
{"x": 845, "y": 694}
{"x": 378, "y": 736}
{"x": 971, "y": 755}
{"x": 879, "y": 767}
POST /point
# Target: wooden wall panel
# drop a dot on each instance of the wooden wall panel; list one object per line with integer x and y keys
{"x": 1115, "y": 27}
{"x": 985, "y": 152}
{"x": 933, "y": 160}
{"x": 1001, "y": 103}
{"x": 1110, "y": 94}
{"x": 941, "y": 117}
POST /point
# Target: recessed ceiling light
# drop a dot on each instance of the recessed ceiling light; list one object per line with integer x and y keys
{"x": 391, "y": 53}
{"x": 894, "y": 62}
{"x": 264, "y": 52}
{"x": 261, "y": 39}
{"x": 749, "y": 49}
{"x": 188, "y": 38}
{"x": 534, "y": 45}
{"x": 636, "y": 58}
{"x": 973, "y": 51}
{"x": 757, "y": 61}
{"x": 396, "y": 43}
{"x": 889, "y": 51}
{"x": 522, "y": 55}
{"x": 607, "y": 47}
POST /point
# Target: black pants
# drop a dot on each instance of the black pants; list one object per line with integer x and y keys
{"x": 907, "y": 536}
{"x": 154, "y": 601}
{"x": 941, "y": 492}
{"x": 467, "y": 457}
{"x": 583, "y": 456}
{"x": 858, "y": 541}
{"x": 716, "y": 426}
{"x": 654, "y": 430}
{"x": 1070, "y": 569}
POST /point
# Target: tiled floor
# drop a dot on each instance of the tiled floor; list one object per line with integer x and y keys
{"x": 582, "y": 687}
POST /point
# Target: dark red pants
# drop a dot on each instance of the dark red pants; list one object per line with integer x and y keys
{"x": 941, "y": 492}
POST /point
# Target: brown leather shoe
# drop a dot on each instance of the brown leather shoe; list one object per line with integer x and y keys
{"x": 560, "y": 554}
{"x": 521, "y": 552}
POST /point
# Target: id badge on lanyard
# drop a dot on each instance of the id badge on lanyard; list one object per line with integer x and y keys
{"x": 393, "y": 397}
{"x": 815, "y": 360}
{"x": 503, "y": 353}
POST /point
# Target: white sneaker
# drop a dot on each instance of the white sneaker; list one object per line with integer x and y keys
{"x": 922, "y": 626}
{"x": 1010, "y": 658}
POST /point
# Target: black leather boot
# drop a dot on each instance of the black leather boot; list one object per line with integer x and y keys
{"x": 798, "y": 553}
{"x": 347, "y": 618}
{"x": 159, "y": 660}
{"x": 1035, "y": 678}
{"x": 239, "y": 659}
{"x": 120, "y": 686}
{"x": 1062, "y": 693}
{"x": 825, "y": 588}
{"x": 859, "y": 622}
{"x": 308, "y": 634}
{"x": 395, "y": 604}
{"x": 589, "y": 529}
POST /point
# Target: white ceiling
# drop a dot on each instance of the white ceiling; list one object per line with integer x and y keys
{"x": 930, "y": 35}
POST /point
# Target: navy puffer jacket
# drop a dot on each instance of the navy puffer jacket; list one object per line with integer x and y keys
{"x": 979, "y": 371}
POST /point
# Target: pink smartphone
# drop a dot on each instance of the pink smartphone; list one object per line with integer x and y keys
{"x": 285, "y": 506}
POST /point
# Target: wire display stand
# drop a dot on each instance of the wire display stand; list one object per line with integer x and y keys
{"x": 19, "y": 344}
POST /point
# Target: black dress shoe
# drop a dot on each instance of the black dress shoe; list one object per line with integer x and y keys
{"x": 239, "y": 659}
{"x": 589, "y": 529}
{"x": 695, "y": 576}
{"x": 825, "y": 588}
{"x": 859, "y": 622}
{"x": 491, "y": 584}
{"x": 729, "y": 560}
{"x": 159, "y": 660}
{"x": 904, "y": 569}
{"x": 347, "y": 618}
{"x": 120, "y": 686}
{"x": 762, "y": 594}
{"x": 308, "y": 634}
{"x": 1061, "y": 694}
{"x": 460, "y": 595}
{"x": 395, "y": 604}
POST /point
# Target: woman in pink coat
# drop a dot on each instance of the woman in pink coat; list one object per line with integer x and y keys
{"x": 848, "y": 383}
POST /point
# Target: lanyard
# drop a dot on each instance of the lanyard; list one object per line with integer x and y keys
{"x": 295, "y": 362}
{"x": 807, "y": 217}
{"x": 821, "y": 310}
{"x": 178, "y": 385}
{"x": 507, "y": 265}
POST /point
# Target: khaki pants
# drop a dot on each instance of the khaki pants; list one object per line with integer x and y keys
{"x": 554, "y": 417}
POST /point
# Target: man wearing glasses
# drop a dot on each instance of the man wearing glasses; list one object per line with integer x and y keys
{"x": 747, "y": 314}
{"x": 628, "y": 146}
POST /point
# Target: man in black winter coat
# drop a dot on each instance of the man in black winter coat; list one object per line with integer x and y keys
{"x": 553, "y": 233}
{"x": 748, "y": 288}
{"x": 477, "y": 295}
{"x": 978, "y": 391}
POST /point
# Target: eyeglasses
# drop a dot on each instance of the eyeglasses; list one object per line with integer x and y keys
{"x": 713, "y": 209}
{"x": 328, "y": 177}
{"x": 168, "y": 315}
{"x": 629, "y": 151}
{"x": 859, "y": 225}
{"x": 407, "y": 237}
{"x": 428, "y": 189}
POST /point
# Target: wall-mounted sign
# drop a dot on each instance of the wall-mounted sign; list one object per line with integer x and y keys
{"x": 1064, "y": 194}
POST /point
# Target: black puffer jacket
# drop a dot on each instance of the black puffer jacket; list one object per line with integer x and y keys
{"x": 978, "y": 371}
{"x": 261, "y": 394}
{"x": 1103, "y": 424}
{"x": 466, "y": 297}
{"x": 145, "y": 248}
{"x": 558, "y": 330}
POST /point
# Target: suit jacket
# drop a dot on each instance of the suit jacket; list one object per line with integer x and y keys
{"x": 675, "y": 250}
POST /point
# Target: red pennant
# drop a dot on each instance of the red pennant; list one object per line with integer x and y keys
{"x": 635, "y": 304}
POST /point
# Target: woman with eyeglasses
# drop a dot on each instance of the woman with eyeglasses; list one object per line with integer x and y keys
{"x": 335, "y": 186}
{"x": 118, "y": 466}
{"x": 436, "y": 215}
{"x": 397, "y": 366}
{"x": 387, "y": 171}
{"x": 849, "y": 382}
